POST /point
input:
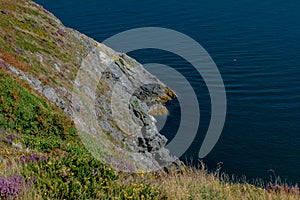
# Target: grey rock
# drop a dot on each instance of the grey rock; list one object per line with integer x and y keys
{"x": 57, "y": 67}
{"x": 125, "y": 127}
{"x": 49, "y": 93}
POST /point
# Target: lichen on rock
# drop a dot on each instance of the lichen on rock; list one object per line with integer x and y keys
{"x": 122, "y": 109}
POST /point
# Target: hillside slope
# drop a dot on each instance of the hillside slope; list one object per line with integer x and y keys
{"x": 62, "y": 138}
{"x": 36, "y": 47}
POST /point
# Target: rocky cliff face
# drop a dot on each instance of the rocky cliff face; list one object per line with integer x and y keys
{"x": 109, "y": 95}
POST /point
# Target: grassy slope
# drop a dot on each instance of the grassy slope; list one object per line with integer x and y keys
{"x": 38, "y": 140}
{"x": 33, "y": 40}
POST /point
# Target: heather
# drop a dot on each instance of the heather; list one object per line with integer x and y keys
{"x": 11, "y": 186}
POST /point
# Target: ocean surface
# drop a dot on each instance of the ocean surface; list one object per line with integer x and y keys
{"x": 256, "y": 46}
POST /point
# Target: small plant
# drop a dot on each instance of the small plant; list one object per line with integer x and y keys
{"x": 28, "y": 114}
{"x": 283, "y": 188}
{"x": 71, "y": 177}
{"x": 32, "y": 158}
{"x": 12, "y": 186}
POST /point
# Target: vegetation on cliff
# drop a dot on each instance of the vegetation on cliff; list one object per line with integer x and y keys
{"x": 41, "y": 153}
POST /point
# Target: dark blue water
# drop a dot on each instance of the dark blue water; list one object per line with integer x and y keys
{"x": 256, "y": 46}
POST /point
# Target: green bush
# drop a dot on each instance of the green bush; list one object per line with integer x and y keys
{"x": 26, "y": 113}
{"x": 72, "y": 177}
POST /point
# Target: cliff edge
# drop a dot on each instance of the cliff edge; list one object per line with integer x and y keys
{"x": 82, "y": 78}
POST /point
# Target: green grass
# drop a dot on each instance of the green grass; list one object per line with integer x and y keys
{"x": 26, "y": 113}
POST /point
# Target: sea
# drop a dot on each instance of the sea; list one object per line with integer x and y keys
{"x": 256, "y": 48}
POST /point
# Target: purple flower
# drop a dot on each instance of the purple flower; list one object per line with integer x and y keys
{"x": 32, "y": 158}
{"x": 61, "y": 33}
{"x": 31, "y": 180}
{"x": 12, "y": 138}
{"x": 12, "y": 186}
{"x": 65, "y": 67}
{"x": 61, "y": 74}
{"x": 3, "y": 65}
{"x": 120, "y": 164}
{"x": 55, "y": 34}
{"x": 94, "y": 172}
{"x": 283, "y": 188}
{"x": 19, "y": 50}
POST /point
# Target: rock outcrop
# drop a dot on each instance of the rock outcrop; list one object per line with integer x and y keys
{"x": 123, "y": 99}
{"x": 92, "y": 83}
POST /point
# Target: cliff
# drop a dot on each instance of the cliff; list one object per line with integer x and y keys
{"x": 75, "y": 121}
{"x": 72, "y": 72}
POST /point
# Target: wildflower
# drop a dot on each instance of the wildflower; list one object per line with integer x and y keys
{"x": 13, "y": 138}
{"x": 31, "y": 180}
{"x": 32, "y": 158}
{"x": 127, "y": 196}
{"x": 94, "y": 172}
{"x": 12, "y": 186}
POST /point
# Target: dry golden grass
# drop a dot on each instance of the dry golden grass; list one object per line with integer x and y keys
{"x": 199, "y": 184}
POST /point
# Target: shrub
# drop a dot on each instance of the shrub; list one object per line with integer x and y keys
{"x": 26, "y": 113}
{"x": 72, "y": 177}
{"x": 32, "y": 158}
{"x": 12, "y": 186}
